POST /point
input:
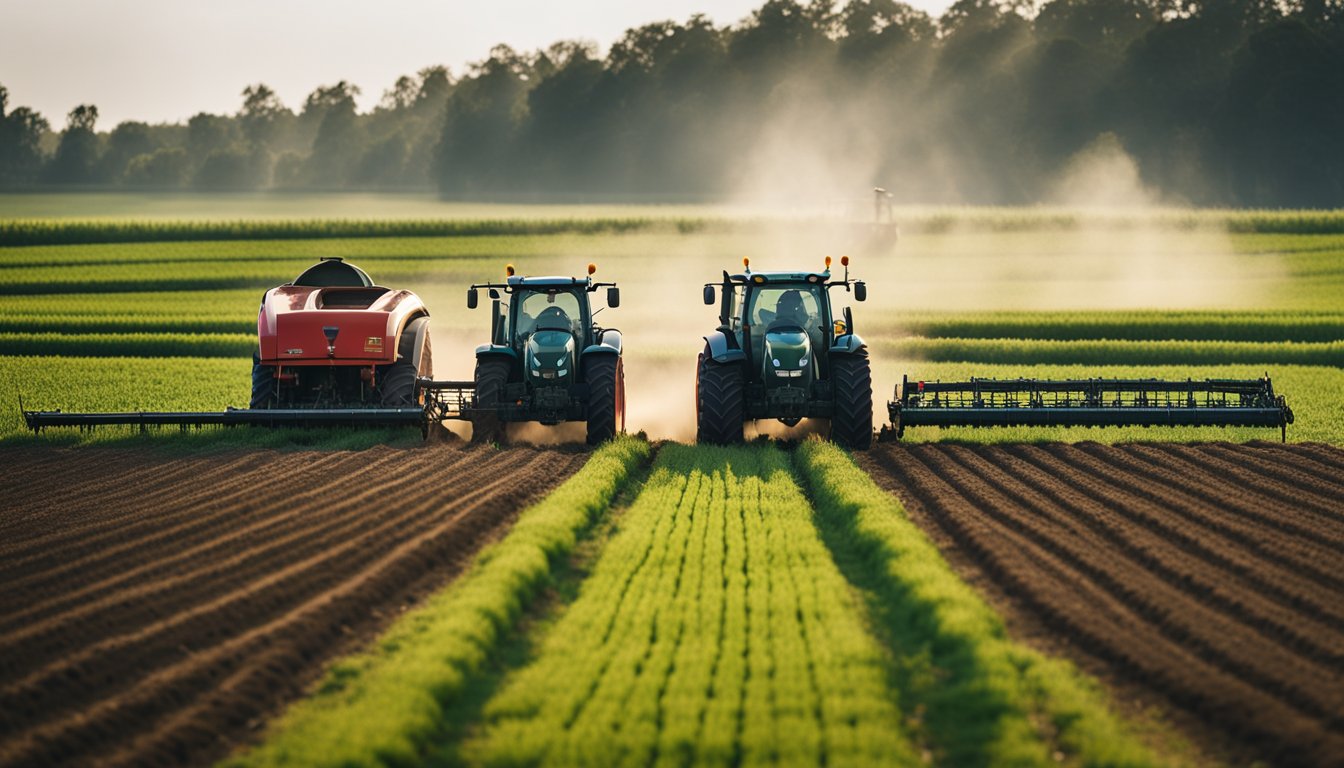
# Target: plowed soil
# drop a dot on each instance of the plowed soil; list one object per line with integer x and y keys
{"x": 157, "y": 609}
{"x": 1208, "y": 578}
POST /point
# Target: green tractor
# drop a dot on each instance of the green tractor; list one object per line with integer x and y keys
{"x": 547, "y": 361}
{"x": 779, "y": 353}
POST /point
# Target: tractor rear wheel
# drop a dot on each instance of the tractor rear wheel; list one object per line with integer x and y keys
{"x": 398, "y": 388}
{"x": 263, "y": 384}
{"x": 720, "y": 402}
{"x": 491, "y": 376}
{"x": 605, "y": 375}
{"x": 852, "y": 383}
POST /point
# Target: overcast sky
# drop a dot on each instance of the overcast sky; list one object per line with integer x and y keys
{"x": 165, "y": 60}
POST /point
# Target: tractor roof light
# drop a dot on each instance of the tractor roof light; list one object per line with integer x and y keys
{"x": 592, "y": 268}
{"x": 844, "y": 261}
{"x": 758, "y": 279}
{"x": 828, "y": 262}
{"x": 508, "y": 270}
{"x": 746, "y": 263}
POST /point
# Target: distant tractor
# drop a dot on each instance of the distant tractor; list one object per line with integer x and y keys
{"x": 548, "y": 361}
{"x": 780, "y": 353}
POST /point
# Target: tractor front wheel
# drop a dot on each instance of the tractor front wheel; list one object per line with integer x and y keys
{"x": 605, "y": 375}
{"x": 491, "y": 376}
{"x": 852, "y": 383}
{"x": 720, "y": 402}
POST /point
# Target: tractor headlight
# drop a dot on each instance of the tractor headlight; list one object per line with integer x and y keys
{"x": 776, "y": 362}
{"x": 802, "y": 363}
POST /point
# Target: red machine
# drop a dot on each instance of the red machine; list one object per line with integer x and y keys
{"x": 333, "y": 349}
{"x": 333, "y": 339}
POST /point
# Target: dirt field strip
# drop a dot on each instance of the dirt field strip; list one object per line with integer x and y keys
{"x": 386, "y": 704}
{"x": 1209, "y": 576}
{"x": 157, "y": 608}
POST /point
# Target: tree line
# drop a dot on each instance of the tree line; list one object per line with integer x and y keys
{"x": 1234, "y": 102}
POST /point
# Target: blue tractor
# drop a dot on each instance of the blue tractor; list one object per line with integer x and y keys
{"x": 780, "y": 353}
{"x": 547, "y": 360}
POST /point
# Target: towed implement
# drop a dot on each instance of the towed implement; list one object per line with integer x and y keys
{"x": 333, "y": 349}
{"x": 1087, "y": 403}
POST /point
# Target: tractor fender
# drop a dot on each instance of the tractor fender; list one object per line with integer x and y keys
{"x": 849, "y": 344}
{"x": 724, "y": 349}
{"x": 496, "y": 351}
{"x": 412, "y": 341}
{"x": 608, "y": 344}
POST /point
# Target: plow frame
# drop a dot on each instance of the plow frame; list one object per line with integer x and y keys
{"x": 1087, "y": 403}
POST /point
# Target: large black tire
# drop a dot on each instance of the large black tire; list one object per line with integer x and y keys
{"x": 263, "y": 385}
{"x": 605, "y": 375}
{"x": 852, "y": 383}
{"x": 720, "y": 402}
{"x": 491, "y": 376}
{"x": 398, "y": 388}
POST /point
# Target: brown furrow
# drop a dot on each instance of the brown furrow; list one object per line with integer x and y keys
{"x": 1180, "y": 559}
{"x": 116, "y": 522}
{"x": 1184, "y": 620}
{"x": 222, "y": 687}
{"x": 1037, "y": 591}
{"x": 184, "y": 540}
{"x": 38, "y": 643}
{"x": 1288, "y": 470}
{"x": 1210, "y": 525}
{"x": 1200, "y": 495}
{"x": 1279, "y": 497}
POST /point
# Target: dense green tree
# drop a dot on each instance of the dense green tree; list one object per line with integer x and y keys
{"x": 21, "y": 132}
{"x": 76, "y": 158}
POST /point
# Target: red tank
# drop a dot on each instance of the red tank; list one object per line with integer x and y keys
{"x": 331, "y": 338}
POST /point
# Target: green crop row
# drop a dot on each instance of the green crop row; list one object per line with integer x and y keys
{"x": 714, "y": 630}
{"x": 234, "y": 345}
{"x": 239, "y": 323}
{"x": 1108, "y": 352}
{"x": 16, "y": 232}
{"x": 232, "y": 304}
{"x": 618, "y": 219}
{"x": 986, "y": 699}
{"x": 1146, "y": 325}
{"x": 385, "y": 706}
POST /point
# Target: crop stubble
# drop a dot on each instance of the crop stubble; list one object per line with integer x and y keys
{"x": 1209, "y": 576}
{"x": 156, "y": 609}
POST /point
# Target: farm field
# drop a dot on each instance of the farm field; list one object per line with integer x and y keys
{"x": 158, "y": 608}
{"x": 1204, "y": 575}
{"x": 931, "y": 602}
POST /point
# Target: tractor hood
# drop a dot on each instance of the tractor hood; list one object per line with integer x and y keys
{"x": 550, "y": 357}
{"x": 788, "y": 357}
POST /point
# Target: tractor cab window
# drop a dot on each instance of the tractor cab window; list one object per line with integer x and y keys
{"x": 777, "y": 307}
{"x": 548, "y": 310}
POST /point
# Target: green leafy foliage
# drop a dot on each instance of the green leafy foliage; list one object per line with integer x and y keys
{"x": 714, "y": 630}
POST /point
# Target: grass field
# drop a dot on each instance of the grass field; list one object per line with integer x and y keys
{"x": 1002, "y": 293}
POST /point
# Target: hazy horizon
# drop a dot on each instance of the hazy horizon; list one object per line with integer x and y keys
{"x": 143, "y": 59}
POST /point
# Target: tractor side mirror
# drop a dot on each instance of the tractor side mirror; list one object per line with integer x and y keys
{"x": 709, "y": 295}
{"x": 472, "y": 298}
{"x": 860, "y": 291}
{"x": 613, "y": 297}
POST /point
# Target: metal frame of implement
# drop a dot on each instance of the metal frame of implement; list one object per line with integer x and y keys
{"x": 1087, "y": 403}
{"x": 443, "y": 400}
